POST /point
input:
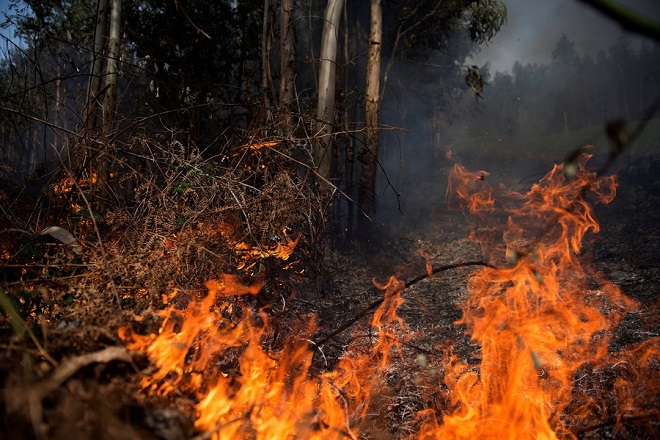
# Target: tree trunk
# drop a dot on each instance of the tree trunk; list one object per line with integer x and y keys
{"x": 348, "y": 229}
{"x": 287, "y": 66}
{"x": 267, "y": 89}
{"x": 94, "y": 86}
{"x": 110, "y": 99}
{"x": 325, "y": 109}
{"x": 112, "y": 68}
{"x": 367, "y": 195}
{"x": 95, "y": 122}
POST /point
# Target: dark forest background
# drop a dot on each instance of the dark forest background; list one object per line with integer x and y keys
{"x": 201, "y": 79}
{"x": 571, "y": 93}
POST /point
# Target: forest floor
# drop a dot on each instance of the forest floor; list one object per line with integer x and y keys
{"x": 65, "y": 373}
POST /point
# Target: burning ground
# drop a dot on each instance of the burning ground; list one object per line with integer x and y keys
{"x": 502, "y": 315}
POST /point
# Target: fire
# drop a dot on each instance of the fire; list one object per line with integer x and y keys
{"x": 63, "y": 188}
{"x": 537, "y": 321}
{"x": 219, "y": 357}
{"x": 260, "y": 145}
{"x": 470, "y": 188}
{"x": 542, "y": 319}
{"x": 249, "y": 255}
{"x": 66, "y": 184}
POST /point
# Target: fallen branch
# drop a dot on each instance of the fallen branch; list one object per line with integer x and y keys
{"x": 651, "y": 417}
{"x": 18, "y": 398}
{"x": 374, "y": 305}
{"x": 69, "y": 367}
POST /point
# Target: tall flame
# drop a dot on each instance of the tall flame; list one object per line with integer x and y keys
{"x": 537, "y": 321}
{"x": 264, "y": 394}
{"x": 543, "y": 322}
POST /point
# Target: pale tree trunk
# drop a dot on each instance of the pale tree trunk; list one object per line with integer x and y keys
{"x": 347, "y": 164}
{"x": 110, "y": 99}
{"x": 95, "y": 80}
{"x": 367, "y": 194}
{"x": 112, "y": 68}
{"x": 287, "y": 66}
{"x": 85, "y": 154}
{"x": 325, "y": 109}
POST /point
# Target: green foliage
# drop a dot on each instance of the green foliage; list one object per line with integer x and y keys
{"x": 33, "y": 251}
{"x": 428, "y": 25}
{"x": 475, "y": 80}
{"x": 8, "y": 307}
{"x": 486, "y": 17}
{"x": 423, "y": 25}
{"x": 71, "y": 21}
{"x": 199, "y": 47}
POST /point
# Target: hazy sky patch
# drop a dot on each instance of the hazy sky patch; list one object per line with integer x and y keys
{"x": 534, "y": 27}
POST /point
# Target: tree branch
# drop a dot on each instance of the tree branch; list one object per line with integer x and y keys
{"x": 367, "y": 310}
{"x": 629, "y": 19}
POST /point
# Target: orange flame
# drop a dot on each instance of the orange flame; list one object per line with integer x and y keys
{"x": 537, "y": 321}
{"x": 67, "y": 183}
{"x": 540, "y": 321}
{"x": 260, "y": 145}
{"x": 250, "y": 255}
{"x": 471, "y": 189}
{"x": 263, "y": 394}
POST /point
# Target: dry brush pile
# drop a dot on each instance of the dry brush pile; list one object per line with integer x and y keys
{"x": 78, "y": 263}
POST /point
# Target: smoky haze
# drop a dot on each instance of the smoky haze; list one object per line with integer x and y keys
{"x": 534, "y": 28}
{"x": 556, "y": 73}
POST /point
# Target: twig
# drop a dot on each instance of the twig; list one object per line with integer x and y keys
{"x": 106, "y": 264}
{"x": 14, "y": 347}
{"x": 35, "y": 395}
{"x": 197, "y": 28}
{"x": 629, "y": 19}
{"x": 209, "y": 434}
{"x": 29, "y": 265}
{"x": 653, "y": 416}
{"x": 364, "y": 312}
{"x": 332, "y": 185}
{"x": 69, "y": 367}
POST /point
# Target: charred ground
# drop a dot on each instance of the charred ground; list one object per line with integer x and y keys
{"x": 68, "y": 305}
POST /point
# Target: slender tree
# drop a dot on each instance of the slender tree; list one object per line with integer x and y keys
{"x": 287, "y": 64}
{"x": 426, "y": 27}
{"x": 112, "y": 67}
{"x": 95, "y": 78}
{"x": 325, "y": 108}
{"x": 367, "y": 196}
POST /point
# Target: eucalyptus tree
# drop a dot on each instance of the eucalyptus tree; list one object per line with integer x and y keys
{"x": 326, "y": 90}
{"x": 367, "y": 194}
{"x": 420, "y": 26}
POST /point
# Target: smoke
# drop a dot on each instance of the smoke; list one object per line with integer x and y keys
{"x": 532, "y": 115}
{"x": 534, "y": 27}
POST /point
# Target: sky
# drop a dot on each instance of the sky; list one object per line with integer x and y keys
{"x": 534, "y": 27}
{"x": 5, "y": 32}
